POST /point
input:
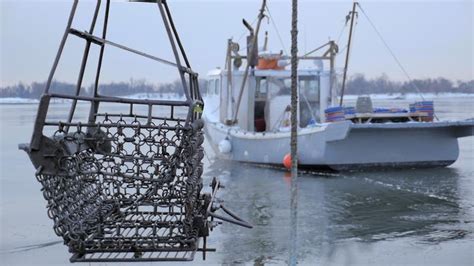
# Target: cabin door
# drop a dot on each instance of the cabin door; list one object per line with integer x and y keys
{"x": 261, "y": 92}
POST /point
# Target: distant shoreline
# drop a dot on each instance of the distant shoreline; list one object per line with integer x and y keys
{"x": 173, "y": 96}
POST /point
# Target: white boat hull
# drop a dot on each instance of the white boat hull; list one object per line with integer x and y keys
{"x": 345, "y": 145}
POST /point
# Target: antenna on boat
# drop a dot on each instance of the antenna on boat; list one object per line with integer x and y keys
{"x": 252, "y": 54}
{"x": 352, "y": 14}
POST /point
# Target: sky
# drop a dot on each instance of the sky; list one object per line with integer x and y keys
{"x": 430, "y": 38}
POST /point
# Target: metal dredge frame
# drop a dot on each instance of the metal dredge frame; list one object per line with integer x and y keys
{"x": 126, "y": 186}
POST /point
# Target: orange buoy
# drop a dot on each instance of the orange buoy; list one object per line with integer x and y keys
{"x": 287, "y": 161}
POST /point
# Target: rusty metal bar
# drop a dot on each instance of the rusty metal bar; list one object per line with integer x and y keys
{"x": 119, "y": 100}
{"x": 173, "y": 47}
{"x": 83, "y": 64}
{"x": 175, "y": 32}
{"x": 44, "y": 102}
{"x": 100, "y": 41}
{"x": 95, "y": 104}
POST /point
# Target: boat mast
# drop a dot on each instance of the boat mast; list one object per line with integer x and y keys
{"x": 351, "y": 14}
{"x": 261, "y": 15}
{"x": 331, "y": 55}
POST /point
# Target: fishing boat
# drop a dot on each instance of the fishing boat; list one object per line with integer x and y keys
{"x": 247, "y": 114}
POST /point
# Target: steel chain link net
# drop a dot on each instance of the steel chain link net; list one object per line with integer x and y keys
{"x": 127, "y": 184}
{"x": 123, "y": 181}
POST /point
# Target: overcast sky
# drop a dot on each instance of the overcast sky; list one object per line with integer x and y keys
{"x": 431, "y": 38}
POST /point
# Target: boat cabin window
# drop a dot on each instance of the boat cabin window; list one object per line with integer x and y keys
{"x": 269, "y": 87}
{"x": 309, "y": 100}
{"x": 262, "y": 88}
{"x": 309, "y": 85}
{"x": 213, "y": 87}
{"x": 272, "y": 86}
{"x": 210, "y": 87}
{"x": 216, "y": 86}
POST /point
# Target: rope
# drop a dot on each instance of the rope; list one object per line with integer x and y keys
{"x": 340, "y": 33}
{"x": 394, "y": 56}
{"x": 390, "y": 51}
{"x": 294, "y": 131}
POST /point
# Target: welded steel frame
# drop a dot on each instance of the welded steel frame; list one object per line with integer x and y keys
{"x": 190, "y": 87}
{"x": 105, "y": 213}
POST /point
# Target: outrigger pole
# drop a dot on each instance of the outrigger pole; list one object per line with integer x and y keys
{"x": 351, "y": 14}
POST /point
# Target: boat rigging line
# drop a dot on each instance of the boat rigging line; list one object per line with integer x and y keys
{"x": 341, "y": 33}
{"x": 276, "y": 30}
{"x": 385, "y": 43}
{"x": 405, "y": 72}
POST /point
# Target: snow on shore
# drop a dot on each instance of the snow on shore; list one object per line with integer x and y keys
{"x": 154, "y": 96}
{"x": 13, "y": 100}
{"x": 176, "y": 97}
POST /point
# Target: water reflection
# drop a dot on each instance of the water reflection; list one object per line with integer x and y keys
{"x": 361, "y": 207}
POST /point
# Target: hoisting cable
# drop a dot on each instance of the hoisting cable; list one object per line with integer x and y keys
{"x": 276, "y": 30}
{"x": 341, "y": 32}
{"x": 388, "y": 48}
{"x": 294, "y": 132}
{"x": 392, "y": 54}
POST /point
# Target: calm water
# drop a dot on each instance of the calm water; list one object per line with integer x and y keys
{"x": 405, "y": 217}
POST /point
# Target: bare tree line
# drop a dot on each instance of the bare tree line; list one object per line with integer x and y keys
{"x": 35, "y": 89}
{"x": 357, "y": 84}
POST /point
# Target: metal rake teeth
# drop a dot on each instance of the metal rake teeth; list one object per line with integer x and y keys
{"x": 125, "y": 183}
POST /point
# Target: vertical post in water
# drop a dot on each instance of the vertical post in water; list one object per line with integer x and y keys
{"x": 294, "y": 131}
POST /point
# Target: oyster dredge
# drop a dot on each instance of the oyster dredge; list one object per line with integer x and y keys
{"x": 123, "y": 182}
{"x": 247, "y": 114}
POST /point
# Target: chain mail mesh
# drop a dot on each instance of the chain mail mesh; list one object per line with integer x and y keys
{"x": 126, "y": 184}
{"x": 123, "y": 185}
